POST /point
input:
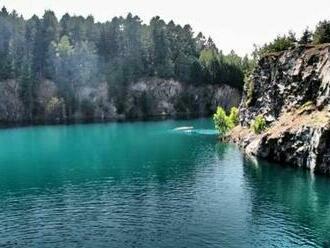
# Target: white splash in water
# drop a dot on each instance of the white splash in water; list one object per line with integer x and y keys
{"x": 191, "y": 130}
{"x": 183, "y": 128}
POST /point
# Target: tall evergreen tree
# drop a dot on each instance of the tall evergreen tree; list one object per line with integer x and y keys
{"x": 49, "y": 32}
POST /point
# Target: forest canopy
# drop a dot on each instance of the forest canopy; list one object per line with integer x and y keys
{"x": 77, "y": 50}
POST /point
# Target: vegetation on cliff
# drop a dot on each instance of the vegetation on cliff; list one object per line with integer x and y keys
{"x": 281, "y": 43}
{"x": 320, "y": 36}
{"x": 259, "y": 124}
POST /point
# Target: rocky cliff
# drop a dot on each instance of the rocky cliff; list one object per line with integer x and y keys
{"x": 168, "y": 97}
{"x": 145, "y": 98}
{"x": 291, "y": 90}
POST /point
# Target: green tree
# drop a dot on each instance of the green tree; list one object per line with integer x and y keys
{"x": 281, "y": 43}
{"x": 322, "y": 33}
{"x": 27, "y": 89}
{"x": 223, "y": 122}
{"x": 210, "y": 64}
{"x": 234, "y": 116}
{"x": 163, "y": 65}
{"x": 49, "y": 30}
{"x": 77, "y": 51}
{"x": 306, "y": 37}
{"x": 6, "y": 66}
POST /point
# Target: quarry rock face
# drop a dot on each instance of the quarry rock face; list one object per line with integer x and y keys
{"x": 170, "y": 97}
{"x": 287, "y": 80}
{"x": 144, "y": 98}
{"x": 291, "y": 90}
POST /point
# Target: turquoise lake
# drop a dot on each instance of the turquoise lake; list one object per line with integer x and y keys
{"x": 151, "y": 184}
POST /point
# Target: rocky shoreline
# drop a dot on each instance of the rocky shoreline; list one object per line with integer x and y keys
{"x": 291, "y": 90}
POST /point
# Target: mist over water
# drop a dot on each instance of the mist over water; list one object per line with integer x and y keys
{"x": 151, "y": 184}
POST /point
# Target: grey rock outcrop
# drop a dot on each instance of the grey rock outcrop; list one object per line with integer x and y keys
{"x": 170, "y": 97}
{"x": 94, "y": 103}
{"x": 304, "y": 144}
{"x": 145, "y": 98}
{"x": 287, "y": 80}
{"x": 291, "y": 90}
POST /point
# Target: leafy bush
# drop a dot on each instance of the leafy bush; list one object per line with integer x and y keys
{"x": 234, "y": 116}
{"x": 224, "y": 122}
{"x": 279, "y": 44}
{"x": 259, "y": 124}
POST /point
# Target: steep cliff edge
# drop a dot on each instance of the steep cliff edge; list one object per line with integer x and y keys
{"x": 145, "y": 98}
{"x": 291, "y": 90}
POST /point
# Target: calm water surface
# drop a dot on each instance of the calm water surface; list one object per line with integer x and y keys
{"x": 152, "y": 184}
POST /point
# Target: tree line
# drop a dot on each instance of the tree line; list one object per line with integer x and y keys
{"x": 76, "y": 51}
{"x": 320, "y": 35}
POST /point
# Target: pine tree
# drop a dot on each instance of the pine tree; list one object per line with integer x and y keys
{"x": 76, "y": 52}
{"x": 306, "y": 38}
{"x": 322, "y": 33}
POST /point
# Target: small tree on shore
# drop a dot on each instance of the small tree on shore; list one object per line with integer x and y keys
{"x": 223, "y": 122}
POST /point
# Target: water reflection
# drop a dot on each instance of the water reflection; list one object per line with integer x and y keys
{"x": 288, "y": 201}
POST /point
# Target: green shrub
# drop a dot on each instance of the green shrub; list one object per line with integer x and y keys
{"x": 259, "y": 124}
{"x": 223, "y": 122}
{"x": 234, "y": 116}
